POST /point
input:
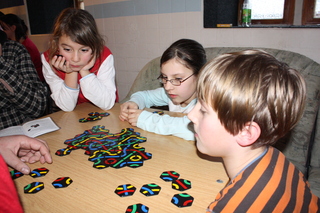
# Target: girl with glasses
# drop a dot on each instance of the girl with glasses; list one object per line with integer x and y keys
{"x": 180, "y": 65}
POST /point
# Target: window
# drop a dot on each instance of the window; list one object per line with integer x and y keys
{"x": 281, "y": 12}
{"x": 272, "y": 12}
{"x": 267, "y": 13}
{"x": 311, "y": 12}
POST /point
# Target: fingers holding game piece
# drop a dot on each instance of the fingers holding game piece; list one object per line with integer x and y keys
{"x": 133, "y": 116}
{"x": 124, "y": 110}
{"x": 29, "y": 150}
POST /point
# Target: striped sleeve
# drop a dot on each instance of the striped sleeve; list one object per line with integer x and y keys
{"x": 271, "y": 184}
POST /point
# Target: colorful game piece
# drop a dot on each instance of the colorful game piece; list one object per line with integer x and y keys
{"x": 181, "y": 184}
{"x": 169, "y": 176}
{"x": 15, "y": 174}
{"x": 62, "y": 182}
{"x": 158, "y": 112}
{"x": 109, "y": 150}
{"x": 40, "y": 172}
{"x": 90, "y": 118}
{"x": 63, "y": 152}
{"x": 102, "y": 114}
{"x": 137, "y": 208}
{"x": 94, "y": 116}
{"x": 150, "y": 189}
{"x": 182, "y": 200}
{"x": 33, "y": 187}
{"x": 125, "y": 190}
{"x": 83, "y": 120}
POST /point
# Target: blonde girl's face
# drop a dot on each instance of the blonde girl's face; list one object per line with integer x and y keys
{"x": 76, "y": 54}
{"x": 186, "y": 92}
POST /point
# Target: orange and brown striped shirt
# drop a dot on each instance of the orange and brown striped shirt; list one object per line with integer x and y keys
{"x": 270, "y": 184}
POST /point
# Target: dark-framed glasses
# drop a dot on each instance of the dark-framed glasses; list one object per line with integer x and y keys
{"x": 174, "y": 82}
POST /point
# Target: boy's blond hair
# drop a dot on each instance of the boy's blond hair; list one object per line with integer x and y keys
{"x": 254, "y": 86}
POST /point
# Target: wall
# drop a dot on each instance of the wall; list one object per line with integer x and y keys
{"x": 41, "y": 41}
{"x": 140, "y": 30}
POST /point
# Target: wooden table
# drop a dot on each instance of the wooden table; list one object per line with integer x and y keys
{"x": 92, "y": 189}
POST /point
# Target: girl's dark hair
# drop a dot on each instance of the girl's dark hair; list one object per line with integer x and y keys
{"x": 189, "y": 52}
{"x": 81, "y": 27}
{"x": 21, "y": 28}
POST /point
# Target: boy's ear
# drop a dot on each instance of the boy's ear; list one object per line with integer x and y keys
{"x": 250, "y": 134}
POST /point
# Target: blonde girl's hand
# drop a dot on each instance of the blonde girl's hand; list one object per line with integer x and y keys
{"x": 124, "y": 109}
{"x": 133, "y": 116}
{"x": 60, "y": 63}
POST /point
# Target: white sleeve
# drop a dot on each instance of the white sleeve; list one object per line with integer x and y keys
{"x": 64, "y": 97}
{"x": 166, "y": 125}
{"x": 100, "y": 89}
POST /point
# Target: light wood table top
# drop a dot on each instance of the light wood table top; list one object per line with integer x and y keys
{"x": 93, "y": 189}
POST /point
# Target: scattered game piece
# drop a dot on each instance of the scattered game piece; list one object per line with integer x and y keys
{"x": 62, "y": 182}
{"x": 40, "y": 172}
{"x": 125, "y": 190}
{"x": 90, "y": 118}
{"x": 102, "y": 114}
{"x": 169, "y": 176}
{"x": 158, "y": 112}
{"x": 181, "y": 184}
{"x": 63, "y": 152}
{"x": 182, "y": 200}
{"x": 150, "y": 189}
{"x": 33, "y": 187}
{"x": 15, "y": 174}
{"x": 137, "y": 208}
{"x": 109, "y": 150}
{"x": 94, "y": 116}
{"x": 219, "y": 181}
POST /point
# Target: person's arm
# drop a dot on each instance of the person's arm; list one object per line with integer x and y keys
{"x": 19, "y": 82}
{"x": 165, "y": 125}
{"x": 149, "y": 98}
{"x": 8, "y": 192}
{"x": 64, "y": 97}
{"x": 19, "y": 149}
{"x": 100, "y": 89}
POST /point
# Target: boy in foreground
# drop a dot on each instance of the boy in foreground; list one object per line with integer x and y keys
{"x": 246, "y": 102}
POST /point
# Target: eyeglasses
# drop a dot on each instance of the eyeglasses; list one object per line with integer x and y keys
{"x": 174, "y": 82}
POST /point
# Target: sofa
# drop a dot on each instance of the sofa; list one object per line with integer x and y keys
{"x": 302, "y": 145}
